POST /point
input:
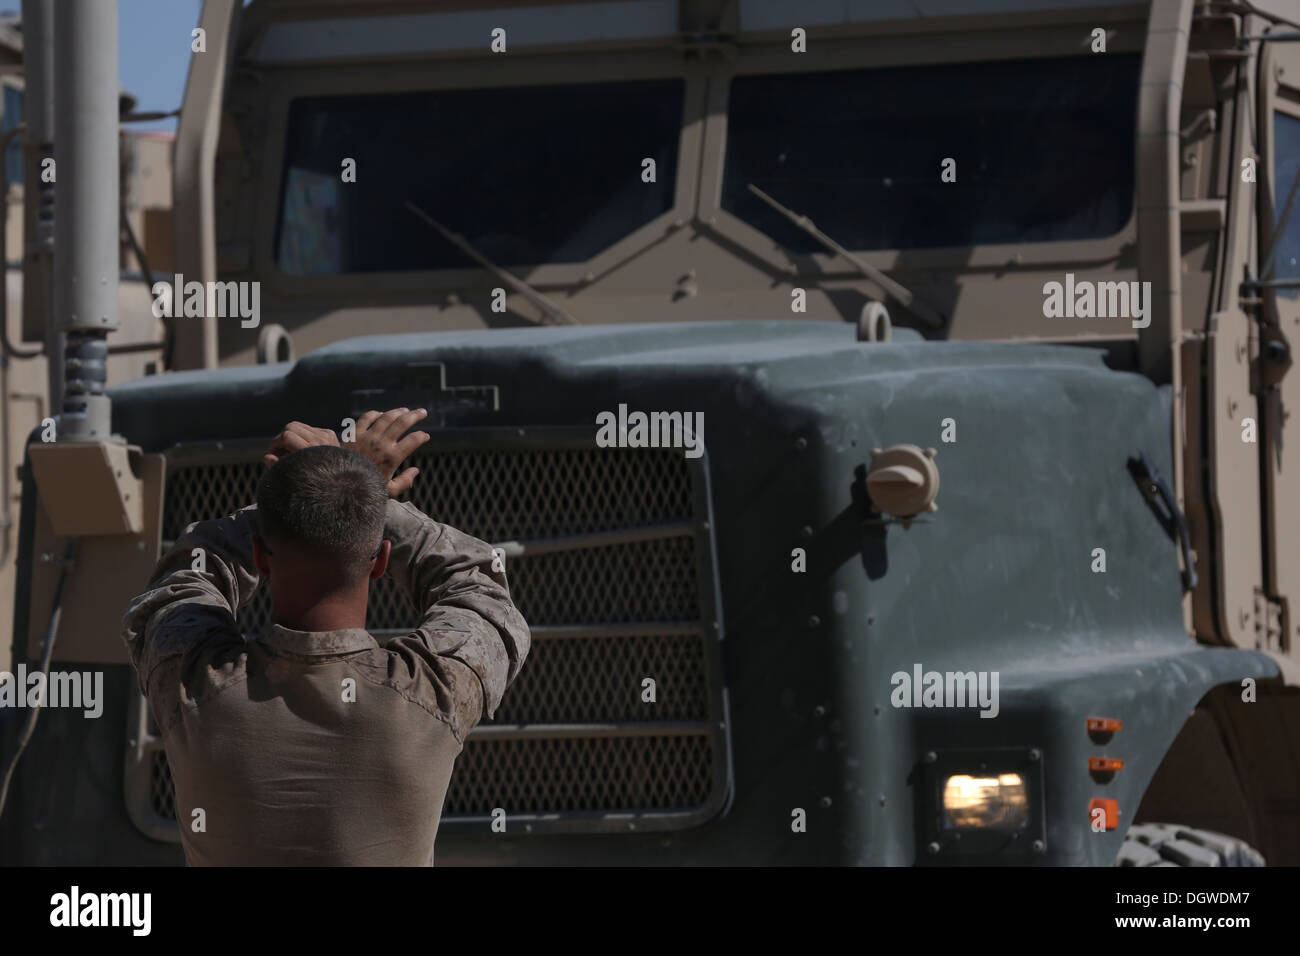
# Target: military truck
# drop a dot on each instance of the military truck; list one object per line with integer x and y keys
{"x": 882, "y": 417}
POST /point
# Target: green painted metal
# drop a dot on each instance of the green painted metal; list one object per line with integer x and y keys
{"x": 999, "y": 579}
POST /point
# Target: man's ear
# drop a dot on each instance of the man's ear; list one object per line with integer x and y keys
{"x": 260, "y": 558}
{"x": 381, "y": 560}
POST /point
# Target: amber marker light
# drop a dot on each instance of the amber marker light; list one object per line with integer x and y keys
{"x": 1110, "y": 809}
{"x": 1101, "y": 729}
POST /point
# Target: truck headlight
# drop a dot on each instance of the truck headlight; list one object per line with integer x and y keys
{"x": 981, "y": 805}
{"x": 995, "y": 802}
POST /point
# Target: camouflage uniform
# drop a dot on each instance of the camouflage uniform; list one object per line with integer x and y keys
{"x": 316, "y": 748}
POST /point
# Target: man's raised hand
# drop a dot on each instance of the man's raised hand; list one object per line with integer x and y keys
{"x": 297, "y": 435}
{"x": 380, "y": 439}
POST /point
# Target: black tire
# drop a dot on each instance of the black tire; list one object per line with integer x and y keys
{"x": 1168, "y": 844}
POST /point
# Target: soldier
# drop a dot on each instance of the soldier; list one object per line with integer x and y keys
{"x": 313, "y": 744}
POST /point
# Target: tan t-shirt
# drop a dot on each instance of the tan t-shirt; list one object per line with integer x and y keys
{"x": 318, "y": 748}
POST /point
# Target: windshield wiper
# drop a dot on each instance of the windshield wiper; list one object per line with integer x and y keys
{"x": 919, "y": 307}
{"x": 552, "y": 313}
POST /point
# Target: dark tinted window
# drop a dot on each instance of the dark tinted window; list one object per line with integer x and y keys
{"x": 1286, "y": 167}
{"x": 527, "y": 175}
{"x": 1044, "y": 150}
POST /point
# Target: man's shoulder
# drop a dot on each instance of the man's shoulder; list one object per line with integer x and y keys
{"x": 445, "y": 687}
{"x": 184, "y": 637}
{"x": 194, "y": 652}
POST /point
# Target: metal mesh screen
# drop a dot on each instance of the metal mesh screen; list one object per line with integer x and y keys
{"x": 162, "y": 793}
{"x": 523, "y": 494}
{"x": 594, "y": 680}
{"x": 601, "y": 773}
{"x": 492, "y": 494}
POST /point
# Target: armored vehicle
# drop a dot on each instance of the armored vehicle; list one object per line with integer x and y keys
{"x": 883, "y": 417}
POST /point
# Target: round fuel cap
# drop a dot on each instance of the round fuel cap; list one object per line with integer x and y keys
{"x": 903, "y": 480}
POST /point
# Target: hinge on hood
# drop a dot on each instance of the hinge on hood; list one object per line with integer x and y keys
{"x": 1160, "y": 497}
{"x": 1269, "y": 629}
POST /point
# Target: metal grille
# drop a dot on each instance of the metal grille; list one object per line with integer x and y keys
{"x": 596, "y": 679}
{"x": 162, "y": 793}
{"x": 494, "y": 494}
{"x": 602, "y": 773}
{"x": 615, "y": 580}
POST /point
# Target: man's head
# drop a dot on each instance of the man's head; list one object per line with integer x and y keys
{"x": 322, "y": 512}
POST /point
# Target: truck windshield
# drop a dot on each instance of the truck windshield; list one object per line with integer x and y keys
{"x": 1043, "y": 149}
{"x": 528, "y": 175}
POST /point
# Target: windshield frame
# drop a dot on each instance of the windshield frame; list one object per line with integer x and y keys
{"x": 357, "y": 79}
{"x": 1050, "y": 41}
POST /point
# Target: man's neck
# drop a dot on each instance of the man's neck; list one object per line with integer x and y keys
{"x": 322, "y": 616}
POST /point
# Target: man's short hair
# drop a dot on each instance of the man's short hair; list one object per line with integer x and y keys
{"x": 328, "y": 499}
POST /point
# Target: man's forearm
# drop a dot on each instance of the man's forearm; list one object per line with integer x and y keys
{"x": 210, "y": 565}
{"x": 464, "y": 603}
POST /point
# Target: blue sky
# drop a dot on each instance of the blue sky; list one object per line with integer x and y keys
{"x": 153, "y": 51}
